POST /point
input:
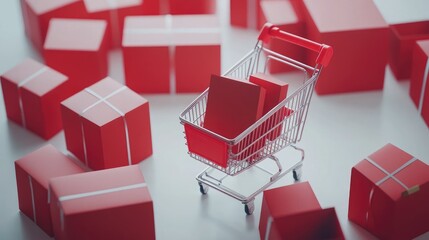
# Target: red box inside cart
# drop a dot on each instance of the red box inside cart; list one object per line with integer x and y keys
{"x": 403, "y": 38}
{"x": 359, "y": 35}
{"x": 77, "y": 48}
{"x": 107, "y": 204}
{"x": 293, "y": 212}
{"x": 107, "y": 125}
{"x": 419, "y": 85}
{"x": 156, "y": 48}
{"x": 37, "y": 14}
{"x": 115, "y": 11}
{"x": 192, "y": 7}
{"x": 284, "y": 14}
{"x": 389, "y": 192}
{"x": 32, "y": 176}
{"x": 244, "y": 13}
{"x": 32, "y": 94}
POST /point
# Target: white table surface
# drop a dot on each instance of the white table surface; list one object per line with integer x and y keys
{"x": 340, "y": 131}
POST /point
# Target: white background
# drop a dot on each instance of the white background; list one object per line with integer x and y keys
{"x": 341, "y": 130}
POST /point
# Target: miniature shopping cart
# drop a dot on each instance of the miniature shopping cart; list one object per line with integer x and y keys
{"x": 279, "y": 128}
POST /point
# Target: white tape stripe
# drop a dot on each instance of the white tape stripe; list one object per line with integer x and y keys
{"x": 85, "y": 154}
{"x": 251, "y": 14}
{"x": 170, "y": 30}
{"x": 268, "y": 227}
{"x": 391, "y": 175}
{"x": 425, "y": 80}
{"x": 100, "y": 192}
{"x": 371, "y": 193}
{"x": 101, "y": 99}
{"x": 33, "y": 204}
{"x": 32, "y": 76}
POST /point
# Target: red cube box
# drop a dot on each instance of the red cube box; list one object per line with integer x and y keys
{"x": 389, "y": 192}
{"x": 36, "y": 15}
{"x": 32, "y": 176}
{"x": 191, "y": 7}
{"x": 107, "y": 204}
{"x": 78, "y": 49}
{"x": 359, "y": 35}
{"x": 286, "y": 15}
{"x": 244, "y": 13}
{"x": 32, "y": 94}
{"x": 107, "y": 125}
{"x": 419, "y": 86}
{"x": 115, "y": 11}
{"x": 165, "y": 54}
{"x": 403, "y": 38}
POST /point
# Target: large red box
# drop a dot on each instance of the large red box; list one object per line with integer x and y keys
{"x": 191, "y": 7}
{"x": 32, "y": 94}
{"x": 115, "y": 11}
{"x": 107, "y": 204}
{"x": 32, "y": 176}
{"x": 165, "y": 54}
{"x": 293, "y": 212}
{"x": 403, "y": 38}
{"x": 244, "y": 13}
{"x": 107, "y": 125}
{"x": 286, "y": 15}
{"x": 77, "y": 48}
{"x": 419, "y": 85}
{"x": 359, "y": 35}
{"x": 37, "y": 14}
{"x": 389, "y": 193}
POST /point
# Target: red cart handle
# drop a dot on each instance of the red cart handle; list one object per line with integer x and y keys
{"x": 325, "y": 51}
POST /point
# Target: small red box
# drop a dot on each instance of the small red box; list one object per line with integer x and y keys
{"x": 77, "y": 48}
{"x": 358, "y": 34}
{"x": 115, "y": 11}
{"x": 419, "y": 85}
{"x": 403, "y": 38}
{"x": 32, "y": 94}
{"x": 32, "y": 175}
{"x": 107, "y": 204}
{"x": 37, "y": 14}
{"x": 244, "y": 13}
{"x": 107, "y": 125}
{"x": 156, "y": 48}
{"x": 389, "y": 192}
{"x": 286, "y": 15}
{"x": 192, "y": 7}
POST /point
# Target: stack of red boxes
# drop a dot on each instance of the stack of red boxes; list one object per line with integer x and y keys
{"x": 107, "y": 125}
{"x": 389, "y": 192}
{"x": 419, "y": 86}
{"x": 293, "y": 212}
{"x": 32, "y": 94}
{"x": 165, "y": 54}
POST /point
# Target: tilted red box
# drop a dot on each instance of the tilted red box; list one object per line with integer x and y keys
{"x": 77, "y": 48}
{"x": 107, "y": 204}
{"x": 419, "y": 84}
{"x": 192, "y": 7}
{"x": 165, "y": 54}
{"x": 244, "y": 13}
{"x": 37, "y": 14}
{"x": 389, "y": 192}
{"x": 359, "y": 35}
{"x": 32, "y": 94}
{"x": 115, "y": 11}
{"x": 107, "y": 125}
{"x": 293, "y": 212}
{"x": 403, "y": 38}
{"x": 32, "y": 176}
{"x": 286, "y": 15}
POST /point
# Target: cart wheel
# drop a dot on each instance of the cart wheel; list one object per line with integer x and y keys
{"x": 203, "y": 188}
{"x": 297, "y": 174}
{"x": 249, "y": 208}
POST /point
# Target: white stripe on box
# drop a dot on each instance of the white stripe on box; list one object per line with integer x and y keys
{"x": 268, "y": 227}
{"x": 425, "y": 80}
{"x": 33, "y": 204}
{"x": 252, "y": 13}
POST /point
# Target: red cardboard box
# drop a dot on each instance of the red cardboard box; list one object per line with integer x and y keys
{"x": 115, "y": 11}
{"x": 32, "y": 175}
{"x": 107, "y": 204}
{"x": 389, "y": 192}
{"x": 77, "y": 48}
{"x": 107, "y": 125}
{"x": 244, "y": 13}
{"x": 32, "y": 94}
{"x": 37, "y": 14}
{"x": 403, "y": 38}
{"x": 359, "y": 35}
{"x": 156, "y": 48}
{"x": 293, "y": 212}
{"x": 419, "y": 85}
{"x": 192, "y": 7}
{"x": 286, "y": 15}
